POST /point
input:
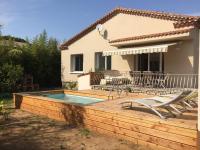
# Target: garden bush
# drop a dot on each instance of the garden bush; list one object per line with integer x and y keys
{"x": 10, "y": 75}
{"x": 39, "y": 58}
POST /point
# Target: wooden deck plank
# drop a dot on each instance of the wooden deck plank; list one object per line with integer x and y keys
{"x": 134, "y": 140}
{"x": 140, "y": 136}
{"x": 130, "y": 130}
{"x": 144, "y": 119}
{"x": 141, "y": 126}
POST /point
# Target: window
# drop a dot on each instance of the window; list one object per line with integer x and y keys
{"x": 150, "y": 62}
{"x": 102, "y": 62}
{"x": 77, "y": 62}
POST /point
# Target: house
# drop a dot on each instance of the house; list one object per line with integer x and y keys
{"x": 134, "y": 40}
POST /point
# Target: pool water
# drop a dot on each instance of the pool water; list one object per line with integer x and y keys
{"x": 74, "y": 98}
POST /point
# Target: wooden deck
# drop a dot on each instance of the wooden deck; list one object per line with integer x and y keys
{"x": 140, "y": 125}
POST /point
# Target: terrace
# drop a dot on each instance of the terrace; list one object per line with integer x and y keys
{"x": 142, "y": 127}
{"x": 138, "y": 125}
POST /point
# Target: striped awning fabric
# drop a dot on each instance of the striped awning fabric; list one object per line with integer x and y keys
{"x": 139, "y": 50}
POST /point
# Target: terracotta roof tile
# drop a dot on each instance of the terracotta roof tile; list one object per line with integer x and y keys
{"x": 151, "y": 35}
{"x": 181, "y": 21}
{"x": 186, "y": 23}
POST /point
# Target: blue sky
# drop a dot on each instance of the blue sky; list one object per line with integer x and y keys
{"x": 64, "y": 18}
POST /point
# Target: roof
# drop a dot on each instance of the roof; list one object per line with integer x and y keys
{"x": 180, "y": 21}
{"x": 151, "y": 35}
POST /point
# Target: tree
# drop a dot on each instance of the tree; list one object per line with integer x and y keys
{"x": 45, "y": 60}
{"x": 10, "y": 74}
{"x": 39, "y": 57}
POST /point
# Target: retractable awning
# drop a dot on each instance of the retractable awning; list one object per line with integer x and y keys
{"x": 139, "y": 50}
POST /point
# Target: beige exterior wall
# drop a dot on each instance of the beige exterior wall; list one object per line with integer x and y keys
{"x": 124, "y": 25}
{"x": 184, "y": 57}
{"x": 196, "y": 50}
{"x": 123, "y": 63}
{"x": 179, "y": 59}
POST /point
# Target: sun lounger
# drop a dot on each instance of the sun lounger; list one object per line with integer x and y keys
{"x": 153, "y": 104}
{"x": 192, "y": 98}
{"x": 188, "y": 100}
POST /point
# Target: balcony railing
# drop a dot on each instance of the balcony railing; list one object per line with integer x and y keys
{"x": 145, "y": 79}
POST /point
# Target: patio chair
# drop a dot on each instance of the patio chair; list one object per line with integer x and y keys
{"x": 154, "y": 103}
{"x": 161, "y": 80}
{"x": 136, "y": 84}
{"x": 158, "y": 82}
{"x": 119, "y": 84}
{"x": 148, "y": 79}
{"x": 95, "y": 80}
{"x": 102, "y": 80}
{"x": 135, "y": 78}
{"x": 28, "y": 84}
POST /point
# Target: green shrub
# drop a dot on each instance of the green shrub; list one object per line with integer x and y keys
{"x": 71, "y": 85}
{"x": 10, "y": 75}
{"x": 3, "y": 111}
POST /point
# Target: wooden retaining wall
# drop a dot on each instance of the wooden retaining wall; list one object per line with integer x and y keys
{"x": 153, "y": 134}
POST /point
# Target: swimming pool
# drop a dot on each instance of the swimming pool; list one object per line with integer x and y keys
{"x": 81, "y": 100}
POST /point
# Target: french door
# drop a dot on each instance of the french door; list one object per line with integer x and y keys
{"x": 150, "y": 62}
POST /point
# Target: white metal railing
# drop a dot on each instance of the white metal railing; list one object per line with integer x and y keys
{"x": 145, "y": 79}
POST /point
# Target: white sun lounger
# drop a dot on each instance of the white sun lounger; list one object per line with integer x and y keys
{"x": 161, "y": 102}
{"x": 188, "y": 100}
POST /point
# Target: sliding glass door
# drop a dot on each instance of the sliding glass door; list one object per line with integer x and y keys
{"x": 154, "y": 62}
{"x": 143, "y": 62}
{"x": 150, "y": 62}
